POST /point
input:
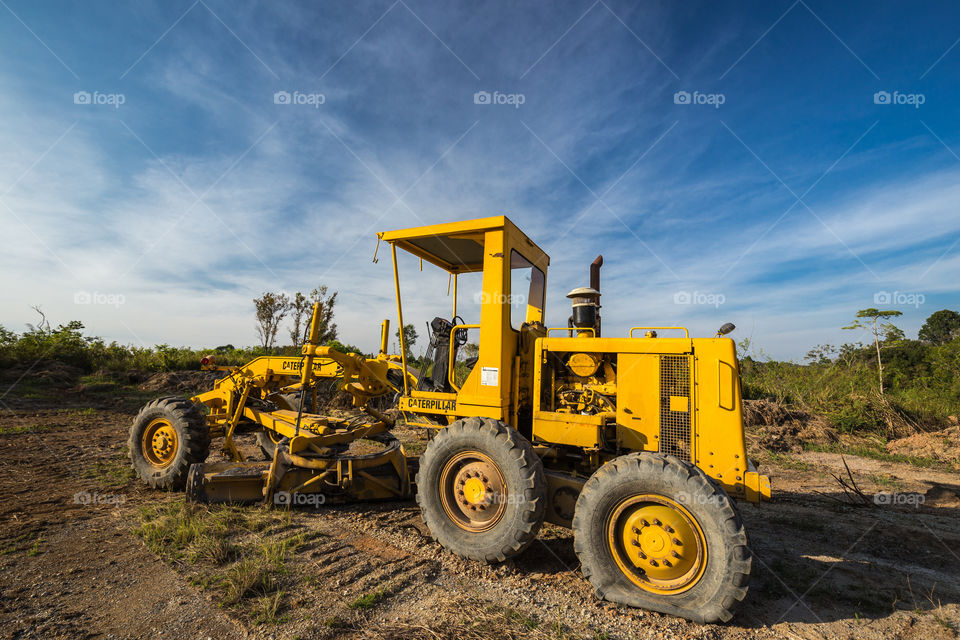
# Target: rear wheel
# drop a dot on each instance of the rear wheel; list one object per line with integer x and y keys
{"x": 167, "y": 436}
{"x": 657, "y": 533}
{"x": 481, "y": 489}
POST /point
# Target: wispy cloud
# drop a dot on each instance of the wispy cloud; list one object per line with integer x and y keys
{"x": 292, "y": 193}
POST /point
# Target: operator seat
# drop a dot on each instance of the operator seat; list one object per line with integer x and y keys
{"x": 441, "y": 352}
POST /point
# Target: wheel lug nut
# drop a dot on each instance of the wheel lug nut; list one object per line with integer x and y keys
{"x": 644, "y": 523}
{"x": 653, "y": 563}
{"x": 635, "y": 543}
{"x": 643, "y": 556}
{"x": 677, "y": 542}
{"x": 668, "y": 528}
{"x": 635, "y": 530}
{"x": 656, "y": 522}
{"x": 666, "y": 563}
{"x": 675, "y": 554}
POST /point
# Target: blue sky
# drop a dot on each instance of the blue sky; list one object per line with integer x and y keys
{"x": 740, "y": 155}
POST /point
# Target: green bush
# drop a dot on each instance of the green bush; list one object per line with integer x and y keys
{"x": 921, "y": 384}
{"x": 68, "y": 345}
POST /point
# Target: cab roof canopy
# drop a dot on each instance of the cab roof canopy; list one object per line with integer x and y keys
{"x": 457, "y": 247}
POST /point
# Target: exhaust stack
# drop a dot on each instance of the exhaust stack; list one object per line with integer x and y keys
{"x": 586, "y": 303}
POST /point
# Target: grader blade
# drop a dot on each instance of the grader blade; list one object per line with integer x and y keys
{"x": 306, "y": 478}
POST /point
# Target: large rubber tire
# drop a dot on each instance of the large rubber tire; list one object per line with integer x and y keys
{"x": 291, "y": 401}
{"x": 521, "y": 505}
{"x": 722, "y": 585}
{"x": 184, "y": 429}
{"x": 267, "y": 446}
{"x": 288, "y": 401}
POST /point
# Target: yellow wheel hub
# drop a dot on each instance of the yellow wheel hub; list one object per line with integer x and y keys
{"x": 160, "y": 443}
{"x": 473, "y": 492}
{"x": 657, "y": 544}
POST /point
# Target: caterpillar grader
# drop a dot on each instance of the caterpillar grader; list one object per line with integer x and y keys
{"x": 635, "y": 442}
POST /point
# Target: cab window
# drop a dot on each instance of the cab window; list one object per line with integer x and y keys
{"x": 526, "y": 291}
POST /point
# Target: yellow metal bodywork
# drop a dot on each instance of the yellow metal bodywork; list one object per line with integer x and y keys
{"x": 647, "y": 409}
{"x": 313, "y": 460}
{"x": 604, "y": 395}
{"x": 582, "y": 400}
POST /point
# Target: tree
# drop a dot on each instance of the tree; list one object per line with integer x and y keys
{"x": 328, "y": 330}
{"x": 890, "y": 333}
{"x": 821, "y": 354}
{"x": 301, "y": 308}
{"x": 344, "y": 348}
{"x": 469, "y": 350}
{"x": 409, "y": 339}
{"x": 271, "y": 309}
{"x": 941, "y": 327}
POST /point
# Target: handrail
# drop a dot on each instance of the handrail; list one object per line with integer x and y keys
{"x": 450, "y": 362}
{"x": 572, "y": 329}
{"x": 686, "y": 333}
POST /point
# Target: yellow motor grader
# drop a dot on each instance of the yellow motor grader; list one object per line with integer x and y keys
{"x": 635, "y": 442}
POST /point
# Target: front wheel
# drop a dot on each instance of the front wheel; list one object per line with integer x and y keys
{"x": 656, "y": 533}
{"x": 481, "y": 489}
{"x": 167, "y": 436}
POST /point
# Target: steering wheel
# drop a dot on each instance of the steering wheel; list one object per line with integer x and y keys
{"x": 460, "y": 335}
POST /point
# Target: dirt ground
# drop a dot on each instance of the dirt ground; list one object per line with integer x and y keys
{"x": 75, "y": 562}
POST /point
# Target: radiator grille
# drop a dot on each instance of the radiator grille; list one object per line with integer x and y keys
{"x": 675, "y": 425}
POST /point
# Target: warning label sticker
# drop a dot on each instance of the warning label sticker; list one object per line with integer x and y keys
{"x": 490, "y": 376}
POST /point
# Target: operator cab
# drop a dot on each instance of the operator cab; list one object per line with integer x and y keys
{"x": 512, "y": 275}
